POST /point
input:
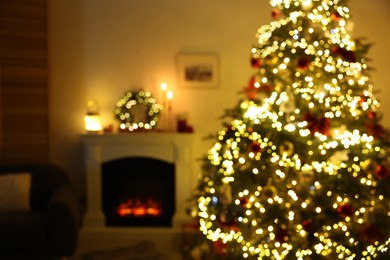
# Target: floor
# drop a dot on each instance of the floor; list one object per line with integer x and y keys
{"x": 167, "y": 244}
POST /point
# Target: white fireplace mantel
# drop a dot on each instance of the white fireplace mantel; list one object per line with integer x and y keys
{"x": 175, "y": 148}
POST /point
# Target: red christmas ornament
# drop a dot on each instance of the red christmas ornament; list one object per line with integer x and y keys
{"x": 335, "y": 50}
{"x": 251, "y": 89}
{"x": 345, "y": 210}
{"x": 256, "y": 62}
{"x": 311, "y": 122}
{"x": 303, "y": 63}
{"x": 371, "y": 115}
{"x": 252, "y": 95}
{"x": 335, "y": 16}
{"x": 324, "y": 126}
{"x": 255, "y": 147}
{"x": 227, "y": 223}
{"x": 363, "y": 99}
{"x": 307, "y": 225}
{"x": 281, "y": 235}
{"x": 321, "y": 125}
{"x": 370, "y": 233}
{"x": 348, "y": 55}
{"x": 251, "y": 83}
{"x": 344, "y": 54}
{"x": 376, "y": 130}
{"x": 267, "y": 88}
{"x": 381, "y": 172}
{"x": 244, "y": 201}
{"x": 275, "y": 13}
{"x": 220, "y": 247}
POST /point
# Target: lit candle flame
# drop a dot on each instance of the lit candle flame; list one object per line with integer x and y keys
{"x": 170, "y": 95}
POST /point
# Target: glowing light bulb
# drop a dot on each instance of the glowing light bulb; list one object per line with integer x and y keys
{"x": 92, "y": 122}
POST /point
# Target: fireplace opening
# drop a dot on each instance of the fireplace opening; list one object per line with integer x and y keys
{"x": 138, "y": 191}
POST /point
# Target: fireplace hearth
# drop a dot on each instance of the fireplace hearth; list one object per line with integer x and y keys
{"x": 138, "y": 191}
{"x": 136, "y": 213}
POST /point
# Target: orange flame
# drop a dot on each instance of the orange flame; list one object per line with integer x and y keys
{"x": 137, "y": 208}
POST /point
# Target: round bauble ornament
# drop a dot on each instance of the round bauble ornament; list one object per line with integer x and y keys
{"x": 371, "y": 115}
{"x": 220, "y": 247}
{"x": 243, "y": 201}
{"x": 275, "y": 13}
{"x": 345, "y": 210}
{"x": 371, "y": 233}
{"x": 306, "y": 177}
{"x": 255, "y": 147}
{"x": 335, "y": 16}
{"x": 381, "y": 172}
{"x": 269, "y": 191}
{"x": 256, "y": 62}
{"x": 369, "y": 166}
{"x": 281, "y": 235}
{"x": 286, "y": 148}
{"x": 303, "y": 63}
{"x": 271, "y": 59}
{"x": 307, "y": 225}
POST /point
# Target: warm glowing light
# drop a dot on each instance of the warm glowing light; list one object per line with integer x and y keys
{"x": 92, "y": 123}
{"x": 298, "y": 172}
{"x": 137, "y": 208}
{"x": 170, "y": 94}
{"x": 164, "y": 86}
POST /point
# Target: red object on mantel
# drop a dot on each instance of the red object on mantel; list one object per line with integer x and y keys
{"x": 137, "y": 208}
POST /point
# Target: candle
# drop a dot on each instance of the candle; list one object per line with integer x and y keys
{"x": 170, "y": 94}
{"x": 164, "y": 86}
{"x": 170, "y": 97}
{"x": 92, "y": 121}
{"x": 170, "y": 119}
{"x": 164, "y": 89}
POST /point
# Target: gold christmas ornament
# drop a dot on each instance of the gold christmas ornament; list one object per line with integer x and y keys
{"x": 286, "y": 148}
{"x": 269, "y": 191}
{"x": 369, "y": 166}
{"x": 271, "y": 59}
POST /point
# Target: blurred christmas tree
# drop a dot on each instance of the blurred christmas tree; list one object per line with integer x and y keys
{"x": 301, "y": 170}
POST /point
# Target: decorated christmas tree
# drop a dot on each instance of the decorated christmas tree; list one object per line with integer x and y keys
{"x": 300, "y": 169}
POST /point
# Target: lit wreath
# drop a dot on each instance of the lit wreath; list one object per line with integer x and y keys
{"x": 124, "y": 111}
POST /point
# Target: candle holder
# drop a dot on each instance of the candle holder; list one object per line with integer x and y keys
{"x": 170, "y": 115}
{"x": 92, "y": 122}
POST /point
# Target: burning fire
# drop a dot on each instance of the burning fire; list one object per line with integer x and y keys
{"x": 137, "y": 208}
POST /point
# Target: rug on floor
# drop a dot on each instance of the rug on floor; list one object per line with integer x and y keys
{"x": 145, "y": 250}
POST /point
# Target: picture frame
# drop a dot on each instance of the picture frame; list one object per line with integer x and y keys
{"x": 198, "y": 70}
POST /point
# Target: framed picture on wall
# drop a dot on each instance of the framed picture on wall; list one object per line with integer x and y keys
{"x": 198, "y": 70}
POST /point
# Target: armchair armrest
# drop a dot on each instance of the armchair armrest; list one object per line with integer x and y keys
{"x": 62, "y": 221}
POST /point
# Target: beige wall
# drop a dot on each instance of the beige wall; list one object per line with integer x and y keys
{"x": 101, "y": 48}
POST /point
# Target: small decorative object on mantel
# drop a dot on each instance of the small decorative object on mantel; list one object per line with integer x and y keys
{"x": 167, "y": 123}
{"x": 182, "y": 124}
{"x": 137, "y": 110}
{"x": 92, "y": 118}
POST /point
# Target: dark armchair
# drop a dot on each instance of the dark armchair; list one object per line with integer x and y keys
{"x": 49, "y": 228}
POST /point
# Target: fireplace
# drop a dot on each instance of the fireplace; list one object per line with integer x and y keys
{"x": 138, "y": 192}
{"x": 125, "y": 155}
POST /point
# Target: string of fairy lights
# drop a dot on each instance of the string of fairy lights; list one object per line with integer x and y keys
{"x": 144, "y": 101}
{"x": 335, "y": 85}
